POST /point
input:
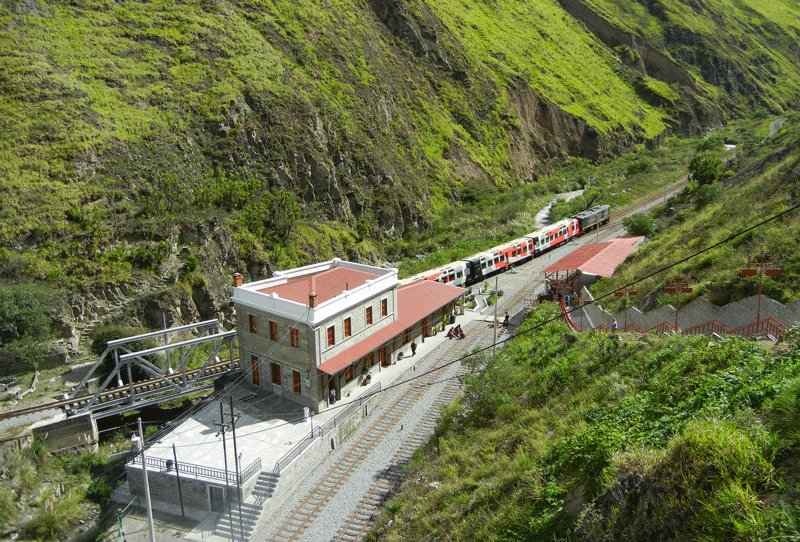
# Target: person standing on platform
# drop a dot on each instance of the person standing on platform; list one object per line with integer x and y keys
{"x": 413, "y": 348}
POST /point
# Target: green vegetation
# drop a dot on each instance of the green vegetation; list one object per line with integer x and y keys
{"x": 706, "y": 36}
{"x": 640, "y": 224}
{"x": 54, "y": 488}
{"x": 582, "y": 437}
{"x": 765, "y": 184}
{"x": 298, "y": 131}
{"x": 705, "y": 168}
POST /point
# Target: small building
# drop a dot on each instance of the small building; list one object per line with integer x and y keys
{"x": 586, "y": 264}
{"x": 311, "y": 333}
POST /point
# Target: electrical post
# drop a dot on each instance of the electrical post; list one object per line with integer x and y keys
{"x": 760, "y": 266}
{"x": 178, "y": 476}
{"x": 222, "y": 428}
{"x": 494, "y": 327}
{"x": 234, "y": 419}
{"x": 625, "y": 294}
{"x": 678, "y": 288}
{"x": 150, "y": 526}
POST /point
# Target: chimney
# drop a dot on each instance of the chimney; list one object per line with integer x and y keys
{"x": 238, "y": 280}
{"x": 312, "y": 300}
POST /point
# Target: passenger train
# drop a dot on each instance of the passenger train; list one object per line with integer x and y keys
{"x": 474, "y": 269}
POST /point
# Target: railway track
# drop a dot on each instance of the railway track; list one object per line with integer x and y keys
{"x": 120, "y": 394}
{"x": 359, "y": 451}
{"x": 334, "y": 479}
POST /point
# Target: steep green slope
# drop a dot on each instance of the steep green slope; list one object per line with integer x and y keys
{"x": 148, "y": 149}
{"x": 373, "y": 111}
{"x": 767, "y": 183}
{"x": 588, "y": 438}
{"x": 721, "y": 41}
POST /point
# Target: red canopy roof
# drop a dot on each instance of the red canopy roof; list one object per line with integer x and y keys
{"x": 597, "y": 258}
{"x": 415, "y": 301}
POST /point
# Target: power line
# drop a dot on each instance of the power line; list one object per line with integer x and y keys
{"x": 535, "y": 327}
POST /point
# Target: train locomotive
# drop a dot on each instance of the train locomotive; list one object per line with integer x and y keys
{"x": 476, "y": 268}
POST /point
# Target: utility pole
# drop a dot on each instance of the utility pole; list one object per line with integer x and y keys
{"x": 678, "y": 288}
{"x": 494, "y": 327}
{"x": 223, "y": 428}
{"x": 624, "y": 294}
{"x": 234, "y": 419}
{"x": 759, "y": 266}
{"x": 150, "y": 526}
{"x": 178, "y": 477}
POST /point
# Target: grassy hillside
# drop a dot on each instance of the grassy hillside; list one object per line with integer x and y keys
{"x": 719, "y": 42}
{"x": 126, "y": 123}
{"x": 767, "y": 182}
{"x": 565, "y": 437}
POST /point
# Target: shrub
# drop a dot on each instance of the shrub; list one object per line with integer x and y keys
{"x": 191, "y": 263}
{"x": 705, "y": 168}
{"x": 8, "y": 508}
{"x": 706, "y": 194}
{"x": 640, "y": 165}
{"x": 711, "y": 143}
{"x": 640, "y": 224}
{"x": 784, "y": 412}
{"x": 99, "y": 491}
{"x": 25, "y": 310}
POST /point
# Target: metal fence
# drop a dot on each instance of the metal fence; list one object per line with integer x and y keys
{"x": 199, "y": 470}
{"x": 321, "y": 431}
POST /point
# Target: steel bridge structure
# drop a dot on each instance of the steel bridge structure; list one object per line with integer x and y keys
{"x": 166, "y": 367}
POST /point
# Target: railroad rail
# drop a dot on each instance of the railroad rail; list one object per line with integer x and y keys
{"x": 360, "y": 521}
{"x": 119, "y": 395}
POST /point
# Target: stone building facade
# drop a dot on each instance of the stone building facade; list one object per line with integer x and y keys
{"x": 311, "y": 333}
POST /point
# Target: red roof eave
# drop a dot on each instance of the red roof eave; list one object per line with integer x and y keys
{"x": 415, "y": 301}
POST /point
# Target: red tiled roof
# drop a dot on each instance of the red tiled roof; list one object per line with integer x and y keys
{"x": 415, "y": 301}
{"x": 600, "y": 259}
{"x": 326, "y": 284}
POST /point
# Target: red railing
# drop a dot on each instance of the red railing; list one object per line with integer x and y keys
{"x": 567, "y": 316}
{"x": 663, "y": 327}
{"x": 762, "y": 328}
{"x": 707, "y": 328}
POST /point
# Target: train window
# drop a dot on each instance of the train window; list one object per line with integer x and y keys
{"x": 459, "y": 274}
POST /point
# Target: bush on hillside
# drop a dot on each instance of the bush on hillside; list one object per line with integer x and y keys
{"x": 639, "y": 165}
{"x": 705, "y": 168}
{"x": 714, "y": 142}
{"x": 25, "y": 311}
{"x": 708, "y": 193}
{"x": 640, "y": 224}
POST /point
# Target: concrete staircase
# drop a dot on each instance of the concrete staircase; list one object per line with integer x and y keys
{"x": 697, "y": 313}
{"x": 265, "y": 486}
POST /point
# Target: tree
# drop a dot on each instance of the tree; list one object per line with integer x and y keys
{"x": 640, "y": 224}
{"x": 705, "y": 168}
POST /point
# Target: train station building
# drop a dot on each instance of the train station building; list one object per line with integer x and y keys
{"x": 313, "y": 333}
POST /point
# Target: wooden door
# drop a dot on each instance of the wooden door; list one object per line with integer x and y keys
{"x": 255, "y": 370}
{"x": 296, "y": 386}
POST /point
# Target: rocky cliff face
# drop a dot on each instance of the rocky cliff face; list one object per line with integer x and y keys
{"x": 150, "y": 150}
